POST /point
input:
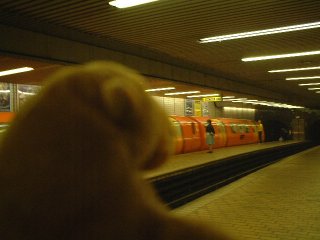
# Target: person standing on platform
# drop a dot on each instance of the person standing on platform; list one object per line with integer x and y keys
{"x": 210, "y": 135}
{"x": 260, "y": 129}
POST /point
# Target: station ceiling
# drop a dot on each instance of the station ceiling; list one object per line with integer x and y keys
{"x": 170, "y": 30}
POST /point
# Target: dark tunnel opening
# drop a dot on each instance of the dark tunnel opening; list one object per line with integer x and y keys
{"x": 274, "y": 130}
{"x": 313, "y": 132}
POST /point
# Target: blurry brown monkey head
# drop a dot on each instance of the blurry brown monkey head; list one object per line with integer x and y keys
{"x": 100, "y": 107}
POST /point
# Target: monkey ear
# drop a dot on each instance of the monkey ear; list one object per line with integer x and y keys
{"x": 121, "y": 102}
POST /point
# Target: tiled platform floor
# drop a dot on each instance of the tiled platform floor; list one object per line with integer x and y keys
{"x": 182, "y": 161}
{"x": 281, "y": 201}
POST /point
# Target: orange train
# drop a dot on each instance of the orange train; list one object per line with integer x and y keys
{"x": 228, "y": 132}
{"x": 190, "y": 132}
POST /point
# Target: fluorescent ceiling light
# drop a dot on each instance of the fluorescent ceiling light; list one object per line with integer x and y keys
{"x": 160, "y": 89}
{"x": 227, "y": 100}
{"x": 257, "y": 102}
{"x": 4, "y": 91}
{"x": 315, "y": 88}
{"x": 234, "y": 99}
{"x": 16, "y": 70}
{"x": 238, "y": 109}
{"x": 301, "y": 78}
{"x": 280, "y": 56}
{"x": 317, "y": 91}
{"x": 181, "y": 93}
{"x": 294, "y": 69}
{"x": 129, "y": 3}
{"x": 261, "y": 32}
{"x": 237, "y": 99}
{"x": 26, "y": 93}
{"x": 204, "y": 95}
{"x": 225, "y": 97}
{"x": 308, "y": 84}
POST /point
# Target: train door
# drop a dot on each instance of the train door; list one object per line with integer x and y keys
{"x": 178, "y": 135}
{"x": 190, "y": 134}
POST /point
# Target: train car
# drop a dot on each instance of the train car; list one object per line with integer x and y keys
{"x": 178, "y": 135}
{"x": 5, "y": 119}
{"x": 191, "y": 134}
{"x": 190, "y": 131}
{"x": 220, "y": 137}
{"x": 240, "y": 131}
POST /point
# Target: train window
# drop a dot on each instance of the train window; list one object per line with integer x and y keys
{"x": 241, "y": 128}
{"x": 247, "y": 128}
{"x": 254, "y": 128}
{"x": 193, "y": 127}
{"x": 234, "y": 128}
{"x": 176, "y": 127}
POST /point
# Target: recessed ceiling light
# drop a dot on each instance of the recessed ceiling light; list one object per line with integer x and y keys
{"x": 203, "y": 95}
{"x": 26, "y": 93}
{"x": 181, "y": 93}
{"x": 234, "y": 99}
{"x": 225, "y": 97}
{"x": 129, "y": 3}
{"x": 160, "y": 89}
{"x": 294, "y": 69}
{"x": 260, "y": 32}
{"x": 15, "y": 71}
{"x": 316, "y": 88}
{"x": 308, "y": 84}
{"x": 302, "y": 78}
{"x": 239, "y": 109}
{"x": 280, "y": 56}
{"x": 237, "y": 99}
{"x": 4, "y": 91}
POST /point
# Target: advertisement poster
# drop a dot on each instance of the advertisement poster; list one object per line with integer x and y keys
{"x": 4, "y": 97}
{"x": 188, "y": 107}
{"x": 25, "y": 92}
{"x": 205, "y": 109}
{"x": 197, "y": 108}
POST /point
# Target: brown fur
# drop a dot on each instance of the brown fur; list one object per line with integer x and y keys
{"x": 71, "y": 162}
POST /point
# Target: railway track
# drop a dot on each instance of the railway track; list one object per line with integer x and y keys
{"x": 186, "y": 185}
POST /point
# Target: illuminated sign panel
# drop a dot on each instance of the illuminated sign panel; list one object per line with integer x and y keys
{"x": 212, "y": 99}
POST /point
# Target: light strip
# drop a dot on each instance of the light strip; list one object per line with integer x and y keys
{"x": 228, "y": 97}
{"x": 317, "y": 91}
{"x": 261, "y": 32}
{"x": 280, "y": 56}
{"x": 16, "y": 70}
{"x": 294, "y": 69}
{"x": 235, "y": 108}
{"x": 129, "y": 3}
{"x": 26, "y": 93}
{"x": 308, "y": 84}
{"x": 237, "y": 99}
{"x": 204, "y": 95}
{"x": 264, "y": 103}
{"x": 181, "y": 93}
{"x": 316, "y": 88}
{"x": 4, "y": 91}
{"x": 234, "y": 99}
{"x": 301, "y": 78}
{"x": 160, "y": 89}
